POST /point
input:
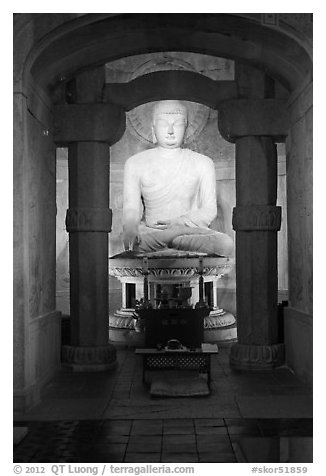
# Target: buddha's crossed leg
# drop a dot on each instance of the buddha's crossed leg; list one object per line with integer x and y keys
{"x": 185, "y": 238}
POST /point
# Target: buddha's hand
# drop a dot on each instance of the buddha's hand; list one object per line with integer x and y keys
{"x": 130, "y": 238}
{"x": 177, "y": 221}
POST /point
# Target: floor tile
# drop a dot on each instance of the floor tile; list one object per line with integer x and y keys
{"x": 69, "y": 408}
{"x": 213, "y": 457}
{"x": 286, "y": 427}
{"x": 105, "y": 417}
{"x": 111, "y": 439}
{"x": 19, "y": 433}
{"x": 110, "y": 453}
{"x": 103, "y": 458}
{"x": 257, "y": 450}
{"x": 207, "y": 422}
{"x": 116, "y": 427}
{"x": 179, "y": 444}
{"x": 121, "y": 394}
{"x": 41, "y": 458}
{"x": 144, "y": 444}
{"x": 178, "y": 427}
{"x": 247, "y": 430}
{"x": 241, "y": 421}
{"x": 181, "y": 422}
{"x": 24, "y": 456}
{"x": 296, "y": 449}
{"x": 147, "y": 427}
{"x": 177, "y": 430}
{"x": 276, "y": 406}
{"x": 142, "y": 458}
{"x": 209, "y": 444}
{"x": 179, "y": 457}
{"x": 212, "y": 430}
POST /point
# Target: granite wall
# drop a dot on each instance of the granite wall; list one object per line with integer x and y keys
{"x": 62, "y": 241}
{"x": 298, "y": 317}
{"x": 36, "y": 321}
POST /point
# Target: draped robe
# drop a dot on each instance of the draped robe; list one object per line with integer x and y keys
{"x": 164, "y": 184}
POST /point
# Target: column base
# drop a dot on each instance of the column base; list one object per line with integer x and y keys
{"x": 89, "y": 359}
{"x": 256, "y": 357}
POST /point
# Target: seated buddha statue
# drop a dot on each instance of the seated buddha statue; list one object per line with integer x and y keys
{"x": 169, "y": 194}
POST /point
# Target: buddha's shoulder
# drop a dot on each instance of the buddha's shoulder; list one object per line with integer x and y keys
{"x": 198, "y": 158}
{"x": 140, "y": 158}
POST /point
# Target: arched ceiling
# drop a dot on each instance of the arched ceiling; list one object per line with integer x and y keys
{"x": 95, "y": 39}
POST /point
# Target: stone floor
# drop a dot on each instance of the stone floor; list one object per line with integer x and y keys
{"x": 111, "y": 417}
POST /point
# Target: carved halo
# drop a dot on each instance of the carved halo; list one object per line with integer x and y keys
{"x": 139, "y": 119}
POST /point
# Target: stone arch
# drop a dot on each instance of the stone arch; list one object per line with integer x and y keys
{"x": 94, "y": 39}
{"x": 49, "y": 49}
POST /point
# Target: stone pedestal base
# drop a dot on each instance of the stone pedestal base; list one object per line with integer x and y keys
{"x": 122, "y": 328}
{"x": 168, "y": 268}
{"x": 219, "y": 328}
{"x": 256, "y": 357}
{"x": 89, "y": 359}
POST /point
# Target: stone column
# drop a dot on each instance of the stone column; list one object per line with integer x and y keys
{"x": 256, "y": 220}
{"x": 89, "y": 128}
{"x": 255, "y": 122}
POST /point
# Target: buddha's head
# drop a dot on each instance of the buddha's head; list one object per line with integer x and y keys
{"x": 169, "y": 123}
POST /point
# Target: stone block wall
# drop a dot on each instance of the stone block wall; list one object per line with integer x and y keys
{"x": 62, "y": 241}
{"x": 36, "y": 321}
{"x": 298, "y": 317}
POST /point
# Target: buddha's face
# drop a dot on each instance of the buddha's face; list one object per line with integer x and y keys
{"x": 169, "y": 129}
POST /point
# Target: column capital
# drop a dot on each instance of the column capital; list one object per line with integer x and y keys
{"x": 88, "y": 123}
{"x": 88, "y": 219}
{"x": 257, "y": 218}
{"x": 253, "y": 117}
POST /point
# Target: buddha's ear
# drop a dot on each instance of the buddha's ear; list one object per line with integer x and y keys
{"x": 154, "y": 140}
